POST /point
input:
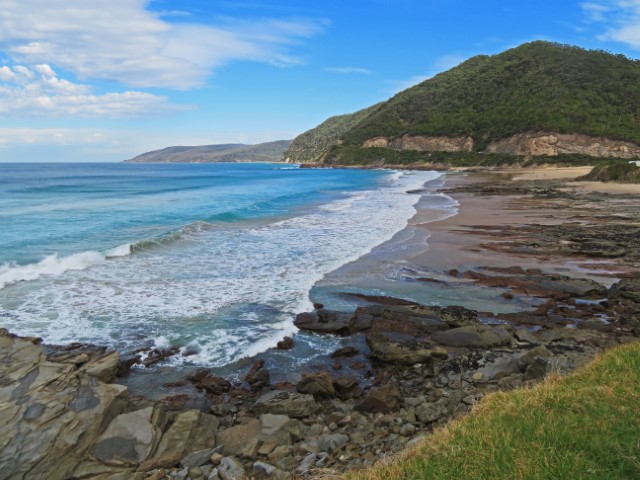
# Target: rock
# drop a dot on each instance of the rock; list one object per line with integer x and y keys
{"x": 157, "y": 355}
{"x": 542, "y": 284}
{"x": 181, "y": 474}
{"x": 403, "y": 349}
{"x": 324, "y": 321}
{"x": 408, "y": 430}
{"x": 479, "y": 336}
{"x": 347, "y": 351}
{"x": 197, "y": 459}
{"x": 536, "y": 370}
{"x": 527, "y": 358}
{"x": 279, "y": 453}
{"x": 306, "y": 464}
{"x": 332, "y": 442}
{"x": 258, "y": 377}
{"x": 130, "y": 437}
{"x": 265, "y": 468}
{"x": 525, "y": 335}
{"x": 430, "y": 412}
{"x": 271, "y": 424}
{"x": 596, "y": 325}
{"x": 285, "y": 344}
{"x": 230, "y": 469}
{"x": 293, "y": 404}
{"x": 103, "y": 368}
{"x": 316, "y": 384}
{"x": 383, "y": 399}
{"x": 51, "y": 413}
{"x": 216, "y": 458}
{"x": 169, "y": 459}
{"x": 250, "y": 449}
{"x": 236, "y": 438}
{"x": 184, "y": 401}
{"x": 191, "y": 431}
{"x": 215, "y": 385}
{"x": 345, "y": 385}
{"x": 224, "y": 409}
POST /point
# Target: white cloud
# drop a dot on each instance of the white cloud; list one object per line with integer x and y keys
{"x": 121, "y": 40}
{"x": 104, "y": 144}
{"x": 38, "y": 91}
{"x": 52, "y": 136}
{"x": 621, "y": 18}
{"x": 363, "y": 71}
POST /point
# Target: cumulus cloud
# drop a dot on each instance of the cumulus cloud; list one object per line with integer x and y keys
{"x": 621, "y": 17}
{"x": 122, "y": 40}
{"x": 38, "y": 91}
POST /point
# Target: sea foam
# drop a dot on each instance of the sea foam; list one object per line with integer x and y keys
{"x": 222, "y": 292}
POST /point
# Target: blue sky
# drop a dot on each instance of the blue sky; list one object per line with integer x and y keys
{"x": 105, "y": 80}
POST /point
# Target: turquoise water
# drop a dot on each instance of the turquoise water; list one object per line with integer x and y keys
{"x": 214, "y": 259}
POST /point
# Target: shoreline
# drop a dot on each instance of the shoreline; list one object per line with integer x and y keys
{"x": 518, "y": 297}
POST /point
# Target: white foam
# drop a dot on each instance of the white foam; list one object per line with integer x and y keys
{"x": 120, "y": 251}
{"x": 51, "y": 265}
{"x": 186, "y": 294}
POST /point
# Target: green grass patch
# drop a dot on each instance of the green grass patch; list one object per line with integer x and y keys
{"x": 614, "y": 172}
{"x": 582, "y": 426}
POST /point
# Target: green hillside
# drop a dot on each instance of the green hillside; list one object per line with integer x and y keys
{"x": 312, "y": 146}
{"x": 535, "y": 87}
{"x": 231, "y": 152}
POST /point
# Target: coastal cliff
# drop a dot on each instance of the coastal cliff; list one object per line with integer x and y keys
{"x": 539, "y": 99}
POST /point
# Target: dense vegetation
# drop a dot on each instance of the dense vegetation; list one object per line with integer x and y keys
{"x": 581, "y": 426}
{"x": 613, "y": 172}
{"x": 312, "y": 146}
{"x": 348, "y": 155}
{"x": 232, "y": 152}
{"x": 538, "y": 86}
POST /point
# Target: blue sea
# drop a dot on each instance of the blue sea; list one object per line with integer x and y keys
{"x": 212, "y": 259}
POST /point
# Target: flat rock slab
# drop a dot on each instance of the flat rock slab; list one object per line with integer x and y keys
{"x": 479, "y": 336}
{"x": 293, "y": 404}
{"x": 403, "y": 349}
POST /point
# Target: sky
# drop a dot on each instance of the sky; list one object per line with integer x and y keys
{"x": 105, "y": 80}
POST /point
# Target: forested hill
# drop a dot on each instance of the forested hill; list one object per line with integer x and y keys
{"x": 232, "y": 152}
{"x": 536, "y": 87}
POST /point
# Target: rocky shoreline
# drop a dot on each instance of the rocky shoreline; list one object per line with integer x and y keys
{"x": 405, "y": 368}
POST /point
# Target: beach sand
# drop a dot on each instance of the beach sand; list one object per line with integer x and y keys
{"x": 458, "y": 242}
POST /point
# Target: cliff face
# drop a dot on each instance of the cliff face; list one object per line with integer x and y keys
{"x": 548, "y": 144}
{"x": 422, "y": 143}
{"x": 553, "y": 144}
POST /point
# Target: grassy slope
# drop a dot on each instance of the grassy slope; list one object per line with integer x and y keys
{"x": 583, "y": 426}
{"x": 614, "y": 172}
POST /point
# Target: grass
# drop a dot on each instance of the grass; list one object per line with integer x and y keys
{"x": 614, "y": 172}
{"x": 582, "y": 426}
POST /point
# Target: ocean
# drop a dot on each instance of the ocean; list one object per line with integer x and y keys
{"x": 212, "y": 259}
